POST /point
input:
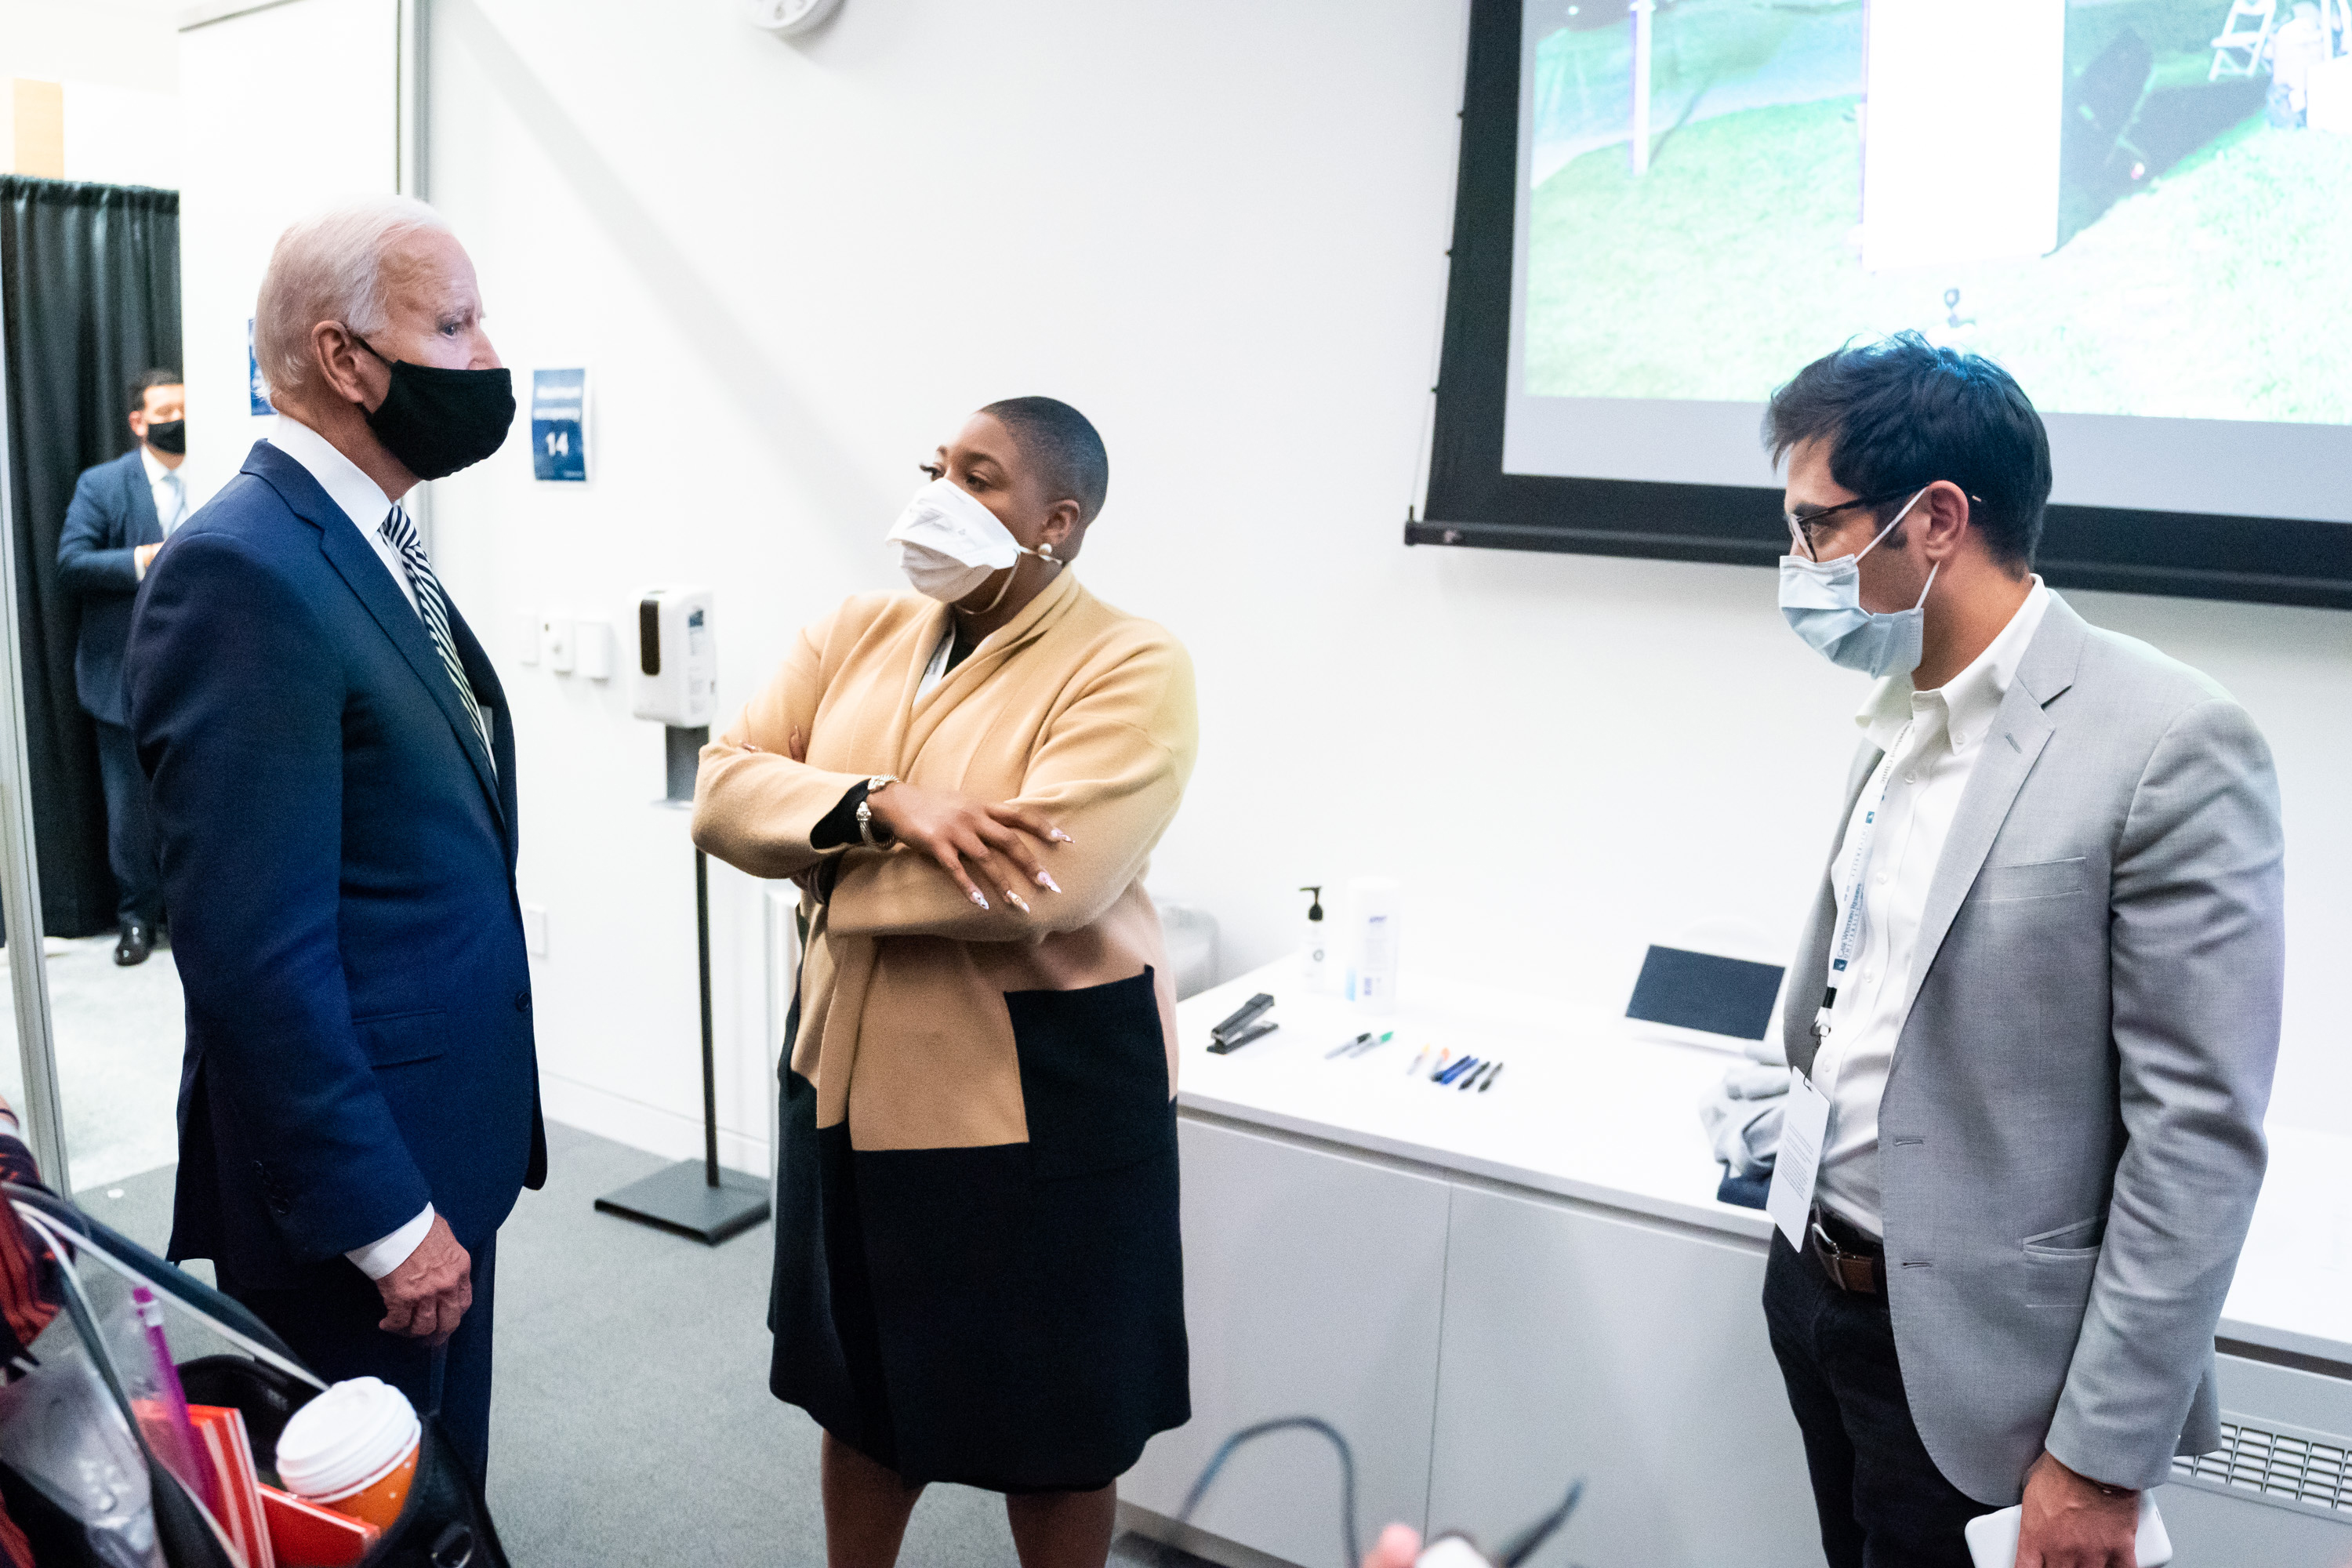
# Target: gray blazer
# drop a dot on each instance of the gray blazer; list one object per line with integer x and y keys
{"x": 2071, "y": 1137}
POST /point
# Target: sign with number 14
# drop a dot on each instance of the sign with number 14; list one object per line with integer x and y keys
{"x": 559, "y": 424}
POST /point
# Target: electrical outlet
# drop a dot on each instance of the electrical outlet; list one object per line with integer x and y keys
{"x": 534, "y": 930}
{"x": 556, "y": 641}
{"x": 595, "y": 640}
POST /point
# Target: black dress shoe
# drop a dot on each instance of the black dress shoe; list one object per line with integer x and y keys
{"x": 137, "y": 942}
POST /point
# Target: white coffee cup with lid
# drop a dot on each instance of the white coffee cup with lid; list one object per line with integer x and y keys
{"x": 353, "y": 1449}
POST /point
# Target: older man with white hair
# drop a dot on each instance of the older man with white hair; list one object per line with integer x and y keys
{"x": 333, "y": 776}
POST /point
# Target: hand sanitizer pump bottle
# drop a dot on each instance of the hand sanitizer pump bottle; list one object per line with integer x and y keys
{"x": 1314, "y": 966}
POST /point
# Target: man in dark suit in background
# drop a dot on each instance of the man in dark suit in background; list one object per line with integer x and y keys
{"x": 333, "y": 782}
{"x": 120, "y": 514}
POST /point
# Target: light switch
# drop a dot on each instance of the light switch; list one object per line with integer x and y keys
{"x": 555, "y": 639}
{"x": 595, "y": 650}
{"x": 526, "y": 636}
{"x": 534, "y": 930}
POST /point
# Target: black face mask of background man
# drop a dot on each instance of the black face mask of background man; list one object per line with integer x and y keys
{"x": 168, "y": 436}
{"x": 439, "y": 421}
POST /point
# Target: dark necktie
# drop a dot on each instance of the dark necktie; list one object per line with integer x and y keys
{"x": 432, "y": 605}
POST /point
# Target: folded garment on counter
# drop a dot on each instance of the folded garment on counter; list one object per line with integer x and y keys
{"x": 1741, "y": 1112}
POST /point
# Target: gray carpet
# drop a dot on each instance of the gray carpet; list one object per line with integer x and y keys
{"x": 632, "y": 1423}
{"x": 118, "y": 1033}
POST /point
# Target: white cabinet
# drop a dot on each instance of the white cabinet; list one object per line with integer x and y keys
{"x": 1629, "y": 1353}
{"x": 1482, "y": 1345}
{"x": 1313, "y": 1282}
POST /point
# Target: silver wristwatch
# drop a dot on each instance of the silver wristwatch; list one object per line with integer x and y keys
{"x": 866, "y": 805}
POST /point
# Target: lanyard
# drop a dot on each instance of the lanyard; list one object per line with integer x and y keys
{"x": 1853, "y": 902}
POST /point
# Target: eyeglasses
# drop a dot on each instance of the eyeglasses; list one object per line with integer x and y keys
{"x": 1800, "y": 529}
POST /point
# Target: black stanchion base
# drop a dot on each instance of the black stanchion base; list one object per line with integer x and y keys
{"x": 681, "y": 1199}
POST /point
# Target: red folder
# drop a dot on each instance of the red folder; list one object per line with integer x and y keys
{"x": 305, "y": 1535}
{"x": 230, "y": 1453}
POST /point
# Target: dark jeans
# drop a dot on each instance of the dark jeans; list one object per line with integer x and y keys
{"x": 330, "y": 1327}
{"x": 130, "y": 826}
{"x": 1882, "y": 1501}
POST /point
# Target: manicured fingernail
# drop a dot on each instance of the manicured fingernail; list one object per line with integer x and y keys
{"x": 978, "y": 899}
{"x": 1016, "y": 900}
{"x": 1045, "y": 880}
{"x": 1061, "y": 837}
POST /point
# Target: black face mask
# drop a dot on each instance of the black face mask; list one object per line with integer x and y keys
{"x": 168, "y": 436}
{"x": 437, "y": 421}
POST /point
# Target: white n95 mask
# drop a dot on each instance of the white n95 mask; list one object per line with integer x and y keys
{"x": 1823, "y": 603}
{"x": 947, "y": 542}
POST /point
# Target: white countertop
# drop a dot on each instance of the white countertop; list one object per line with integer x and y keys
{"x": 1592, "y": 1106}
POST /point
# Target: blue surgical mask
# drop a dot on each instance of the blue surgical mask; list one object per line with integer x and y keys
{"x": 1823, "y": 603}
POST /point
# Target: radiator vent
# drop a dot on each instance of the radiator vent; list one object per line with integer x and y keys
{"x": 2311, "y": 1471}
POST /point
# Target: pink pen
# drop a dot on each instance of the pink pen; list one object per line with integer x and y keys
{"x": 169, "y": 1432}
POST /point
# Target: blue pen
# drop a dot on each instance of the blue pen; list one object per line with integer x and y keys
{"x": 1456, "y": 1070}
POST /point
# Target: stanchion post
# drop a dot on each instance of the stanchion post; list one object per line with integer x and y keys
{"x": 694, "y": 1198}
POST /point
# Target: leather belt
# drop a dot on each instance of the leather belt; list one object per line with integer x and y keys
{"x": 1855, "y": 1264}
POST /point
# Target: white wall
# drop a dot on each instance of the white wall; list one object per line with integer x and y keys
{"x": 118, "y": 61}
{"x": 122, "y": 135}
{"x": 1218, "y": 227}
{"x": 329, "y": 66}
{"x": 123, "y": 43}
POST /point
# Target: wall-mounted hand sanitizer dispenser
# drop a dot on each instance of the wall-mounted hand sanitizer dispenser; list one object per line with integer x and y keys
{"x": 677, "y": 665}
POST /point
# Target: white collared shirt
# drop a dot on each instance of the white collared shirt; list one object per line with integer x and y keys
{"x": 169, "y": 490}
{"x": 1931, "y": 741}
{"x": 348, "y": 485}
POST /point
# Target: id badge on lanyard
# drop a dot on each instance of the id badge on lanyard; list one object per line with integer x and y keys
{"x": 1804, "y": 1124}
{"x": 1854, "y": 907}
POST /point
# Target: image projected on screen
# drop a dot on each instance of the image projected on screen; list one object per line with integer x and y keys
{"x": 2139, "y": 206}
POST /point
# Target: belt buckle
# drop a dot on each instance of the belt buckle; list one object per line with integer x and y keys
{"x": 1832, "y": 1257}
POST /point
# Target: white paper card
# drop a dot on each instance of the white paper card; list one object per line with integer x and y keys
{"x": 1794, "y": 1170}
{"x": 1992, "y": 1537}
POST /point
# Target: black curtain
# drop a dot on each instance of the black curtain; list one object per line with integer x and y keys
{"x": 89, "y": 285}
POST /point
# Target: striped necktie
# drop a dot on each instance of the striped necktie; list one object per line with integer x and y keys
{"x": 179, "y": 501}
{"x": 432, "y": 605}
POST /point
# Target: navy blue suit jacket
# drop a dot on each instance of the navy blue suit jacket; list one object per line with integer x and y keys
{"x": 112, "y": 514}
{"x": 339, "y": 857}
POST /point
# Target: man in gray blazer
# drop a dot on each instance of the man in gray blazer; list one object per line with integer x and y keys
{"x": 2039, "y": 989}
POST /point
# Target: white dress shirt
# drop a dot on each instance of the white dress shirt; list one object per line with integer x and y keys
{"x": 1931, "y": 741}
{"x": 367, "y": 505}
{"x": 348, "y": 485}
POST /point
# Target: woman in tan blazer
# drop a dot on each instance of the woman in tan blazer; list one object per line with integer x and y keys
{"x": 977, "y": 1270}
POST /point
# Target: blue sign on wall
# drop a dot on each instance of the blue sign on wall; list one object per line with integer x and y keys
{"x": 260, "y": 389}
{"x": 559, "y": 424}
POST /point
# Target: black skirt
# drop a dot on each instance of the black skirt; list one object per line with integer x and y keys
{"x": 1009, "y": 1317}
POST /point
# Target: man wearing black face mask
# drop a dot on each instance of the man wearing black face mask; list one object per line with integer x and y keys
{"x": 120, "y": 514}
{"x": 333, "y": 772}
